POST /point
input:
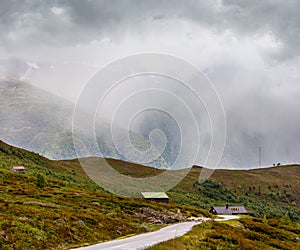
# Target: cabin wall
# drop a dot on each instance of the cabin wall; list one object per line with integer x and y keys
{"x": 163, "y": 200}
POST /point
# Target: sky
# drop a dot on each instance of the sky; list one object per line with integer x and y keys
{"x": 250, "y": 51}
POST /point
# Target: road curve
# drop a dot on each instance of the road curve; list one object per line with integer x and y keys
{"x": 227, "y": 217}
{"x": 143, "y": 241}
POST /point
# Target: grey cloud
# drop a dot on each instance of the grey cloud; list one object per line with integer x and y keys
{"x": 28, "y": 23}
{"x": 279, "y": 17}
{"x": 83, "y": 21}
{"x": 261, "y": 110}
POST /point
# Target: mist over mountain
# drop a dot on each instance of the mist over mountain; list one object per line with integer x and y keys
{"x": 42, "y": 122}
{"x": 36, "y": 120}
{"x": 39, "y": 121}
{"x": 248, "y": 51}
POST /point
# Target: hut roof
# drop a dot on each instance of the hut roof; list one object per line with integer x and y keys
{"x": 18, "y": 168}
{"x": 155, "y": 195}
{"x": 230, "y": 210}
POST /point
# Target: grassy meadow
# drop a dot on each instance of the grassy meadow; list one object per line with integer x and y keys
{"x": 54, "y": 205}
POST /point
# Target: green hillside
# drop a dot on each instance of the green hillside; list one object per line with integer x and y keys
{"x": 273, "y": 191}
{"x": 55, "y": 206}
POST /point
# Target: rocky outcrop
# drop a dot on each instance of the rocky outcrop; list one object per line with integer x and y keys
{"x": 166, "y": 216}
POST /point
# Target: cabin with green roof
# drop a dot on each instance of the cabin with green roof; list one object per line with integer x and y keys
{"x": 156, "y": 196}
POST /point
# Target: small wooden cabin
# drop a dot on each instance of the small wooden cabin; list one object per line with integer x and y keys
{"x": 156, "y": 196}
{"x": 229, "y": 210}
{"x": 19, "y": 169}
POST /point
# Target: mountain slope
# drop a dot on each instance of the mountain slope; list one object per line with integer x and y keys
{"x": 34, "y": 119}
{"x": 54, "y": 205}
{"x": 38, "y": 121}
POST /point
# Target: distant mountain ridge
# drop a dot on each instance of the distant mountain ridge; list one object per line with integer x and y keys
{"x": 39, "y": 121}
{"x": 36, "y": 120}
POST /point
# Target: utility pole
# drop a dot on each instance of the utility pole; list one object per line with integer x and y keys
{"x": 259, "y": 157}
